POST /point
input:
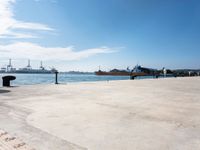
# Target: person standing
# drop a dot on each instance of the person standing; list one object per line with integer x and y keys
{"x": 164, "y": 72}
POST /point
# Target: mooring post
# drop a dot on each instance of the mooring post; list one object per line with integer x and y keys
{"x": 132, "y": 77}
{"x": 56, "y": 79}
{"x": 7, "y": 79}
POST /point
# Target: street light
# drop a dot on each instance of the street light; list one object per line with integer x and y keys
{"x": 56, "y": 77}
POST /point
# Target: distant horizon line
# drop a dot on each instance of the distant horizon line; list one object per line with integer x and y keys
{"x": 41, "y": 63}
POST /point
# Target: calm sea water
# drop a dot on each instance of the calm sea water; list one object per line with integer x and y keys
{"x": 30, "y": 79}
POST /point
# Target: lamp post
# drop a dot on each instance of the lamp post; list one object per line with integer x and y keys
{"x": 56, "y": 77}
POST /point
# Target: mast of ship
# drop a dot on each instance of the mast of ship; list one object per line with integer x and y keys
{"x": 41, "y": 66}
{"x": 9, "y": 66}
{"x": 10, "y": 63}
{"x": 29, "y": 65}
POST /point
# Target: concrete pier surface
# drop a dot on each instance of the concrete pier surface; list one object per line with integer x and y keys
{"x": 153, "y": 114}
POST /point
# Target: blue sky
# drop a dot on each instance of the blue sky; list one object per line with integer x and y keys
{"x": 83, "y": 34}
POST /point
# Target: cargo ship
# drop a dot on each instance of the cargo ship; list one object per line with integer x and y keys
{"x": 28, "y": 69}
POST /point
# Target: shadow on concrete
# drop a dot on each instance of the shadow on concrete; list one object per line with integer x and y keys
{"x": 4, "y": 91}
{"x": 12, "y": 86}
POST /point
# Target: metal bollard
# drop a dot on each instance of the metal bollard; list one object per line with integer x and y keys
{"x": 7, "y": 79}
{"x": 132, "y": 77}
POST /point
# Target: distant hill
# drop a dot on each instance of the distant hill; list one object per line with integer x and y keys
{"x": 77, "y": 72}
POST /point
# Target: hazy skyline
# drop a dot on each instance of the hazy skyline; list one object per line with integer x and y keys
{"x": 81, "y": 35}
